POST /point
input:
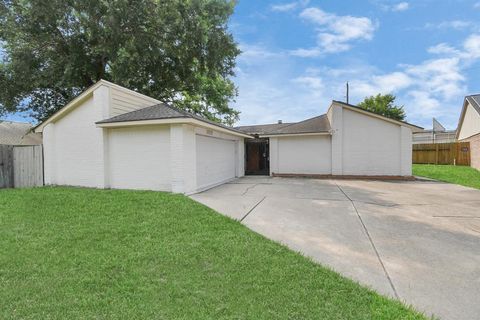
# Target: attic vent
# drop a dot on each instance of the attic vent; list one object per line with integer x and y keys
{"x": 209, "y": 131}
{"x": 279, "y": 121}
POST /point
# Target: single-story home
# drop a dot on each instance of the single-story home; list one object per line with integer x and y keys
{"x": 468, "y": 128}
{"x": 112, "y": 137}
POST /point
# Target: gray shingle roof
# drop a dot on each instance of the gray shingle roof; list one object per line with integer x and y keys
{"x": 474, "y": 101}
{"x": 318, "y": 124}
{"x": 18, "y": 133}
{"x": 262, "y": 128}
{"x": 161, "y": 111}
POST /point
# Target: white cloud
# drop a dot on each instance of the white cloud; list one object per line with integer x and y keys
{"x": 314, "y": 83}
{"x": 254, "y": 53}
{"x": 289, "y": 6}
{"x": 472, "y": 46}
{"x": 451, "y": 24}
{"x": 335, "y": 33}
{"x": 443, "y": 48}
{"x": 402, "y": 6}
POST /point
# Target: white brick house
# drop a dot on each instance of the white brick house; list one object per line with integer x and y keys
{"x": 112, "y": 137}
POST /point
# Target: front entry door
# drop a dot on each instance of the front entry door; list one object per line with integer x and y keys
{"x": 257, "y": 157}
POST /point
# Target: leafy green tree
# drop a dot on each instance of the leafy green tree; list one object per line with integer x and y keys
{"x": 383, "y": 105}
{"x": 178, "y": 51}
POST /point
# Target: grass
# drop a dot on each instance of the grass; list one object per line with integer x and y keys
{"x": 72, "y": 253}
{"x": 465, "y": 176}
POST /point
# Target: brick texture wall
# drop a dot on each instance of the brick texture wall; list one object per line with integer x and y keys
{"x": 474, "y": 151}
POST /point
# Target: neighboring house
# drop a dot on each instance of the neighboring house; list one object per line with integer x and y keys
{"x": 112, "y": 137}
{"x": 469, "y": 127}
{"x": 438, "y": 134}
{"x": 18, "y": 133}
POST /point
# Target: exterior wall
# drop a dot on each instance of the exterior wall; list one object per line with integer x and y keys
{"x": 301, "y": 155}
{"x": 405, "y": 151}
{"x": 335, "y": 115}
{"x": 74, "y": 146}
{"x": 49, "y": 163}
{"x": 471, "y": 123}
{"x": 372, "y": 146}
{"x": 474, "y": 151}
{"x": 123, "y": 102}
{"x": 149, "y": 157}
{"x": 139, "y": 158}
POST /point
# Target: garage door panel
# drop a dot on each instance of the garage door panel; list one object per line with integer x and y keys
{"x": 215, "y": 160}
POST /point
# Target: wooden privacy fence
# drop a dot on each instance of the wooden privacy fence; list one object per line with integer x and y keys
{"x": 21, "y": 166}
{"x": 442, "y": 153}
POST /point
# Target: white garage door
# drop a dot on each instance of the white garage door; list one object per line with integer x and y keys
{"x": 215, "y": 161}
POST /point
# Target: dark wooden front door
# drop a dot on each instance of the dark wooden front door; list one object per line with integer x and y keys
{"x": 257, "y": 157}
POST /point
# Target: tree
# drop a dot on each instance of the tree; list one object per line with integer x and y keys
{"x": 383, "y": 105}
{"x": 178, "y": 51}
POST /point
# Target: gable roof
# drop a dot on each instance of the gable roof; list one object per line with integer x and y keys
{"x": 161, "y": 111}
{"x": 18, "y": 133}
{"x": 355, "y": 108}
{"x": 474, "y": 101}
{"x": 85, "y": 95}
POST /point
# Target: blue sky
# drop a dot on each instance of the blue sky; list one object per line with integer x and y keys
{"x": 298, "y": 55}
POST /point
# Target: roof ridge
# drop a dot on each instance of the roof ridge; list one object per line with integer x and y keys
{"x": 189, "y": 114}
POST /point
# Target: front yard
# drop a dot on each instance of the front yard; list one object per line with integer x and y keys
{"x": 68, "y": 253}
{"x": 465, "y": 176}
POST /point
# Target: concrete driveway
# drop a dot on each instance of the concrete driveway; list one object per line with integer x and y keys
{"x": 416, "y": 241}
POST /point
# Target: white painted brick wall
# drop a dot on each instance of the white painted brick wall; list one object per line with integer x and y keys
{"x": 139, "y": 158}
{"x": 302, "y": 155}
{"x": 371, "y": 146}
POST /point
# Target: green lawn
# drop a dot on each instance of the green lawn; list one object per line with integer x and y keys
{"x": 464, "y": 176}
{"x": 71, "y": 253}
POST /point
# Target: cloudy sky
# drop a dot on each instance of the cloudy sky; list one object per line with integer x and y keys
{"x": 298, "y": 55}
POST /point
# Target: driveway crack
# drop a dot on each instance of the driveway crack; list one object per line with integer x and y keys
{"x": 253, "y": 208}
{"x": 371, "y": 242}
{"x": 249, "y": 188}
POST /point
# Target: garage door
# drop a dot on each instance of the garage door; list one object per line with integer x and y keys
{"x": 215, "y": 161}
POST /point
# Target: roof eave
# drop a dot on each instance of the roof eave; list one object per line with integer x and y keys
{"x": 179, "y": 120}
{"x": 274, "y": 135}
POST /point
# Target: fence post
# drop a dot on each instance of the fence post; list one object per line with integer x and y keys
{"x": 436, "y": 153}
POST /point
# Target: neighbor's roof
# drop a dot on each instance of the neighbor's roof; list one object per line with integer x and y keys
{"x": 474, "y": 101}
{"x": 162, "y": 111}
{"x": 18, "y": 133}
